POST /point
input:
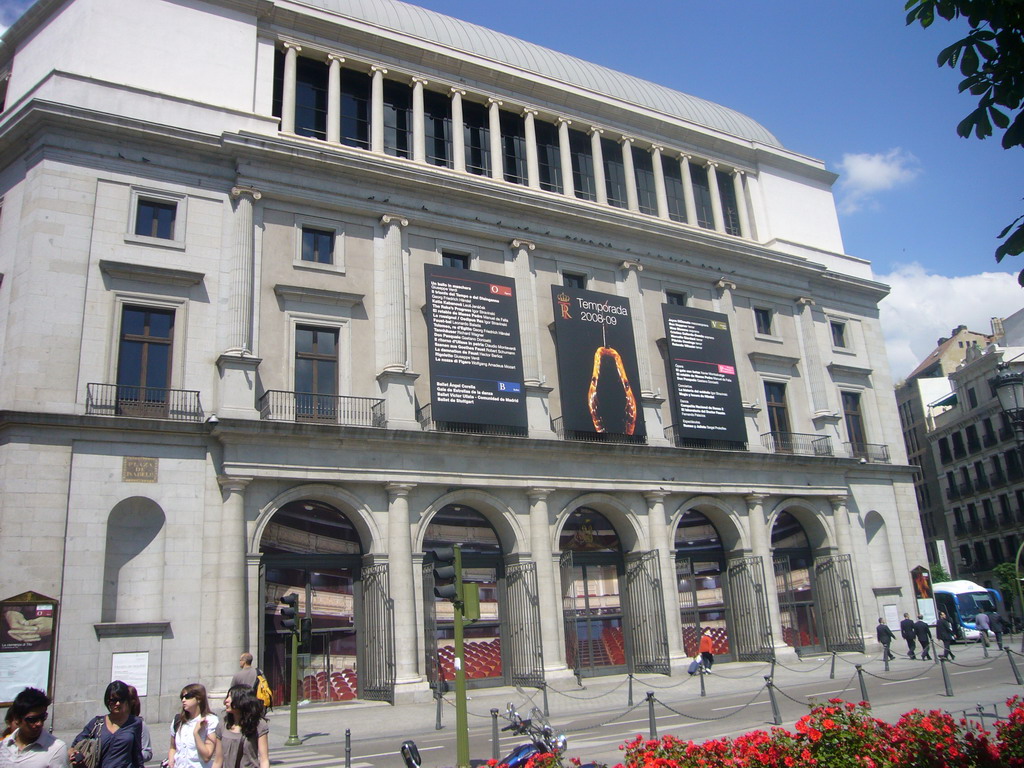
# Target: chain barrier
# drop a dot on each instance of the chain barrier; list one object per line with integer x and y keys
{"x": 683, "y": 681}
{"x": 589, "y": 698}
{"x": 606, "y": 722}
{"x": 984, "y": 663}
{"x": 923, "y": 674}
{"x": 803, "y": 671}
{"x": 848, "y": 686}
{"x": 713, "y": 719}
{"x": 471, "y": 714}
{"x": 742, "y": 677}
{"x": 867, "y": 660}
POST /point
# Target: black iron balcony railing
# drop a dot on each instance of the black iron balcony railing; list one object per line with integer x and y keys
{"x": 594, "y": 437}
{"x": 283, "y": 405}
{"x": 997, "y": 479}
{"x": 966, "y": 488}
{"x": 988, "y": 440}
{"x": 425, "y": 418}
{"x": 873, "y": 452}
{"x": 990, "y": 523}
{"x": 143, "y": 402}
{"x": 959, "y": 529}
{"x": 794, "y": 442}
{"x": 671, "y": 433}
{"x": 952, "y": 493}
{"x": 982, "y": 483}
{"x": 1005, "y": 519}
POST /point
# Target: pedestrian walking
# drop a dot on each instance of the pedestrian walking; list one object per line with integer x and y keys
{"x": 136, "y": 708}
{"x": 193, "y": 729}
{"x": 944, "y": 632}
{"x": 924, "y": 637}
{"x": 707, "y": 649}
{"x": 242, "y": 736}
{"x": 29, "y": 745}
{"x": 246, "y": 674}
{"x": 998, "y": 626}
{"x": 981, "y": 622}
{"x": 885, "y": 637}
{"x": 119, "y": 731}
{"x": 908, "y": 633}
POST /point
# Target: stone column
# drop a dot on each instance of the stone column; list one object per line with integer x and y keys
{"x": 841, "y": 519}
{"x": 716, "y": 197}
{"x": 231, "y": 629}
{"x": 723, "y": 296}
{"x": 565, "y": 157}
{"x": 661, "y": 541}
{"x": 494, "y": 133}
{"x": 532, "y": 164}
{"x": 688, "y": 199}
{"x": 458, "y": 131}
{"x": 548, "y": 585}
{"x": 537, "y": 412}
{"x": 814, "y": 368}
{"x": 632, "y": 200}
{"x": 334, "y": 62}
{"x": 650, "y": 403}
{"x": 660, "y": 192}
{"x": 600, "y": 186}
{"x": 291, "y": 54}
{"x": 394, "y": 377}
{"x": 400, "y": 570}
{"x": 242, "y": 270}
{"x": 377, "y": 108}
{"x": 741, "y": 203}
{"x": 419, "y": 141}
{"x": 760, "y": 546}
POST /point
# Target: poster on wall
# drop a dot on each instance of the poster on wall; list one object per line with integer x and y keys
{"x": 706, "y": 402}
{"x": 27, "y": 623}
{"x": 476, "y": 362}
{"x": 597, "y": 368}
{"x": 923, "y": 593}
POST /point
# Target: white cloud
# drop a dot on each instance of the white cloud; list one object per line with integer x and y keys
{"x": 865, "y": 175}
{"x": 922, "y": 307}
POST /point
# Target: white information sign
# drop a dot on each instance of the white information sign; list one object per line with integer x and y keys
{"x": 131, "y": 668}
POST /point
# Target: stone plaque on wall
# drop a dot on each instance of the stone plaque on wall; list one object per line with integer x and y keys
{"x": 139, "y": 469}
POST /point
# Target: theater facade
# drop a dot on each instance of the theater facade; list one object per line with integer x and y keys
{"x": 295, "y": 292}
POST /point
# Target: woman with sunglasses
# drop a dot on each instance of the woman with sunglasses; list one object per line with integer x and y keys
{"x": 192, "y": 732}
{"x": 242, "y": 736}
{"x": 119, "y": 731}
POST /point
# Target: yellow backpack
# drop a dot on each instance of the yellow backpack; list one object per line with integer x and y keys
{"x": 263, "y": 692}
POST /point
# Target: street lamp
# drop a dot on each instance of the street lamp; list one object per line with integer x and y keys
{"x": 1009, "y": 387}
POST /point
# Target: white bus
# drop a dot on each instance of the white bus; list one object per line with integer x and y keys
{"x": 962, "y": 601}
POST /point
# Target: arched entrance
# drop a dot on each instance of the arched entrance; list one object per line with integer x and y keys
{"x": 482, "y": 563}
{"x": 312, "y": 550}
{"x": 592, "y": 570}
{"x": 700, "y": 566}
{"x": 794, "y": 569}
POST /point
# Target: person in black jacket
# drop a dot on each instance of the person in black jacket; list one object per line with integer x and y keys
{"x": 907, "y": 630}
{"x": 995, "y": 622}
{"x": 924, "y": 637}
{"x": 944, "y": 631}
{"x": 885, "y": 636}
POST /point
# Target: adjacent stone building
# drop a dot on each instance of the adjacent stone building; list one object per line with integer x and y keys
{"x": 295, "y": 292}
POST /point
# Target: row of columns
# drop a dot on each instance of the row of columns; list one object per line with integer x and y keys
{"x": 334, "y": 62}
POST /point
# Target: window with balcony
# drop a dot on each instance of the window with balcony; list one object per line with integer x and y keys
{"x": 973, "y": 443}
{"x": 316, "y": 373}
{"x": 965, "y": 554}
{"x": 958, "y": 445}
{"x": 144, "y": 361}
{"x": 854, "y": 422}
{"x": 945, "y": 456}
{"x": 775, "y": 403}
{"x": 980, "y": 555}
{"x": 972, "y": 398}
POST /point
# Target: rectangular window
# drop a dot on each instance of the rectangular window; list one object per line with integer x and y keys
{"x": 674, "y": 189}
{"x": 730, "y": 209}
{"x": 763, "y": 321}
{"x": 355, "y": 108}
{"x": 310, "y": 98}
{"x": 972, "y": 397}
{"x": 317, "y": 245}
{"x": 944, "y": 455}
{"x": 958, "y": 445}
{"x": 996, "y": 549}
{"x": 614, "y": 173}
{"x": 155, "y": 218}
{"x": 316, "y": 373}
{"x": 778, "y": 413}
{"x": 549, "y": 157}
{"x": 454, "y": 260}
{"x": 854, "y": 422}
{"x": 702, "y": 196}
{"x": 973, "y": 442}
{"x": 513, "y": 146}
{"x": 582, "y": 165}
{"x": 838, "y": 334}
{"x": 676, "y": 298}
{"x": 643, "y": 166}
{"x": 437, "y": 116}
{"x": 574, "y": 280}
{"x": 144, "y": 361}
{"x": 477, "y": 134}
{"x": 397, "y": 119}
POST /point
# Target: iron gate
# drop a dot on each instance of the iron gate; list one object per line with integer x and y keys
{"x": 802, "y": 630}
{"x": 689, "y": 609}
{"x": 432, "y": 662}
{"x": 749, "y": 625}
{"x": 837, "y": 596}
{"x": 569, "y": 612}
{"x": 376, "y": 632}
{"x": 646, "y": 634}
{"x": 524, "y": 654}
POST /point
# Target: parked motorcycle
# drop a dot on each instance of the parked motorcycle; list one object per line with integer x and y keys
{"x": 542, "y": 739}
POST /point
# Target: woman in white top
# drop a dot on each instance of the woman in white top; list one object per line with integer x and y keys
{"x": 193, "y": 738}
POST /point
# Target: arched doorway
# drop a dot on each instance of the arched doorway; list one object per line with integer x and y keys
{"x": 700, "y": 566}
{"x": 482, "y": 563}
{"x": 592, "y": 605}
{"x": 794, "y": 569}
{"x": 312, "y": 550}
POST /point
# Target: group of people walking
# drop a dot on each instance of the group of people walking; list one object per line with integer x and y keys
{"x": 919, "y": 633}
{"x": 913, "y": 632}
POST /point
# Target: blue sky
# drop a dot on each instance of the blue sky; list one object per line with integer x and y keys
{"x": 845, "y": 82}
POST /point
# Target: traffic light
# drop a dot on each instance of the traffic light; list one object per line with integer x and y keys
{"x": 306, "y": 636}
{"x": 288, "y": 611}
{"x": 447, "y": 568}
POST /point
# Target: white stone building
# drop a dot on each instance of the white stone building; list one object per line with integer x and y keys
{"x": 218, "y": 223}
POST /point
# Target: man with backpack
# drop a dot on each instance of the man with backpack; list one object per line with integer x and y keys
{"x": 246, "y": 674}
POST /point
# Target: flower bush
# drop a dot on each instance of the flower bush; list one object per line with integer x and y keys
{"x": 840, "y": 734}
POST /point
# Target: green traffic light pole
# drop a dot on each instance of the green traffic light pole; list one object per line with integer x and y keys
{"x": 461, "y": 718}
{"x": 293, "y": 715}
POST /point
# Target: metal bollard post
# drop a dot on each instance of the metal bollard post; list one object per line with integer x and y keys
{"x": 437, "y": 698}
{"x": 650, "y": 714}
{"x": 772, "y": 673}
{"x": 776, "y": 716}
{"x": 629, "y": 703}
{"x": 863, "y": 687}
{"x": 348, "y": 748}
{"x": 495, "y": 745}
{"x": 945, "y": 677}
{"x": 832, "y": 671}
{"x": 1013, "y": 666}
{"x": 544, "y": 688}
{"x": 703, "y": 692}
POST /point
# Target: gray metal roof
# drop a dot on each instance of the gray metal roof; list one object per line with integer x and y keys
{"x": 438, "y": 28}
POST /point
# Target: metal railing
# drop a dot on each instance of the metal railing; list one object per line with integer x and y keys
{"x": 309, "y": 407}
{"x": 873, "y": 452}
{"x": 143, "y": 402}
{"x": 997, "y": 479}
{"x": 594, "y": 437}
{"x": 671, "y": 432}
{"x": 794, "y": 442}
{"x": 952, "y": 493}
{"x": 426, "y": 420}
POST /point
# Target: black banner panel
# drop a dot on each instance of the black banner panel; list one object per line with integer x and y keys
{"x": 476, "y": 362}
{"x": 706, "y": 393}
{"x": 597, "y": 369}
